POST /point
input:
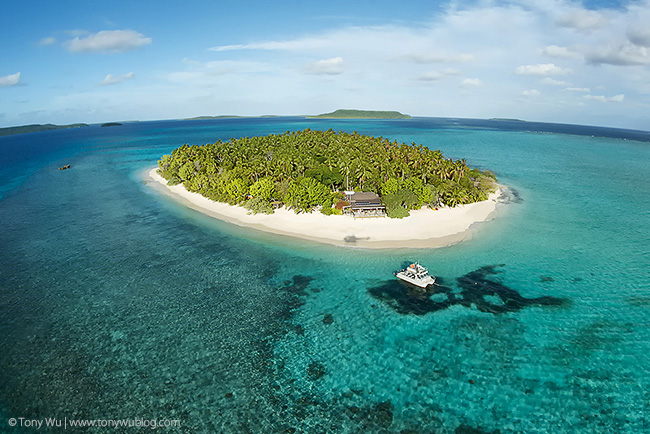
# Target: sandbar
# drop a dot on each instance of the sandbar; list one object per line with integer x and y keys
{"x": 424, "y": 228}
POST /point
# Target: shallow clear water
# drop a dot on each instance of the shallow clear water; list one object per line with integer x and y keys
{"x": 117, "y": 303}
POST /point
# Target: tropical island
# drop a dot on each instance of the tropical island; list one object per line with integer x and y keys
{"x": 24, "y": 129}
{"x": 306, "y": 174}
{"x": 362, "y": 114}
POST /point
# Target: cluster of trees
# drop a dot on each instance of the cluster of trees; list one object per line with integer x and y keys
{"x": 307, "y": 169}
{"x": 362, "y": 114}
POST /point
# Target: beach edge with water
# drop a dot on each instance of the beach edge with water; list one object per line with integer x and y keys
{"x": 424, "y": 228}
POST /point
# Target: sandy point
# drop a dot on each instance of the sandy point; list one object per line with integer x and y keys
{"x": 424, "y": 228}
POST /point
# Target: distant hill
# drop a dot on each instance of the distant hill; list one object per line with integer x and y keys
{"x": 362, "y": 114}
{"x": 112, "y": 124}
{"x": 35, "y": 128}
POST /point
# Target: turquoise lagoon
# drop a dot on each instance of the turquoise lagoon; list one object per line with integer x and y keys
{"x": 118, "y": 303}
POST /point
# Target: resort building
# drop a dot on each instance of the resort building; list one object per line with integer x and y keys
{"x": 365, "y": 204}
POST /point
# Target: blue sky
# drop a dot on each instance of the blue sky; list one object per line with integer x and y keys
{"x": 542, "y": 60}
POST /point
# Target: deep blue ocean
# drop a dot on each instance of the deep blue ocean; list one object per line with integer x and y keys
{"x": 118, "y": 303}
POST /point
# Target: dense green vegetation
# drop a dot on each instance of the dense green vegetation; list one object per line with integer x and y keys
{"x": 363, "y": 114}
{"x": 35, "y": 128}
{"x": 112, "y": 124}
{"x": 308, "y": 169}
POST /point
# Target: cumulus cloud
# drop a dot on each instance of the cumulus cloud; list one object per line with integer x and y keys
{"x": 108, "y": 41}
{"x": 333, "y": 66}
{"x": 110, "y": 79}
{"x": 471, "y": 82}
{"x": 577, "y": 89}
{"x": 10, "y": 80}
{"x": 559, "y": 52}
{"x": 623, "y": 55}
{"x": 583, "y": 20}
{"x": 601, "y": 98}
{"x": 530, "y": 92}
{"x": 541, "y": 69}
{"x": 639, "y": 36}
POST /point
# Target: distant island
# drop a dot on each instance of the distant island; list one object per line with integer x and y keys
{"x": 36, "y": 128}
{"x": 309, "y": 170}
{"x": 112, "y": 124}
{"x": 362, "y": 114}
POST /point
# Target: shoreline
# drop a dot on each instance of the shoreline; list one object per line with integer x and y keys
{"x": 425, "y": 228}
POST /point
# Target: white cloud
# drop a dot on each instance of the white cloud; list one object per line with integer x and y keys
{"x": 541, "y": 69}
{"x": 553, "y": 82}
{"x": 110, "y": 79}
{"x": 583, "y": 20}
{"x": 559, "y": 52}
{"x": 10, "y": 80}
{"x": 471, "y": 82}
{"x": 640, "y": 35}
{"x": 601, "y": 98}
{"x": 108, "y": 41}
{"x": 622, "y": 55}
{"x": 333, "y": 66}
{"x": 578, "y": 89}
{"x": 530, "y": 92}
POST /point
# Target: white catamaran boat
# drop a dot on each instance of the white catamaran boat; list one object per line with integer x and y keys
{"x": 417, "y": 275}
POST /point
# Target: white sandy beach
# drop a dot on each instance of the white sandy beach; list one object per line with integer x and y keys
{"x": 424, "y": 227}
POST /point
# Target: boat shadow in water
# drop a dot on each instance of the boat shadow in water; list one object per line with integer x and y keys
{"x": 476, "y": 289}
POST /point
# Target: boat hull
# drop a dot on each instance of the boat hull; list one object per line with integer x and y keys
{"x": 422, "y": 283}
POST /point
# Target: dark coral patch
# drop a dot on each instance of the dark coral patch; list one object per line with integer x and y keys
{"x": 316, "y": 370}
{"x": 298, "y": 284}
{"x": 377, "y": 417}
{"x": 476, "y": 286}
{"x": 639, "y": 301}
{"x": 477, "y": 289}
{"x": 406, "y": 299}
{"x": 296, "y": 287}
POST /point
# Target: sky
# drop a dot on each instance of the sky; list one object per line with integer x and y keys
{"x": 561, "y": 61}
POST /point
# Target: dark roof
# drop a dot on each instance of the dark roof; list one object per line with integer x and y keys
{"x": 365, "y": 200}
{"x": 362, "y": 196}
